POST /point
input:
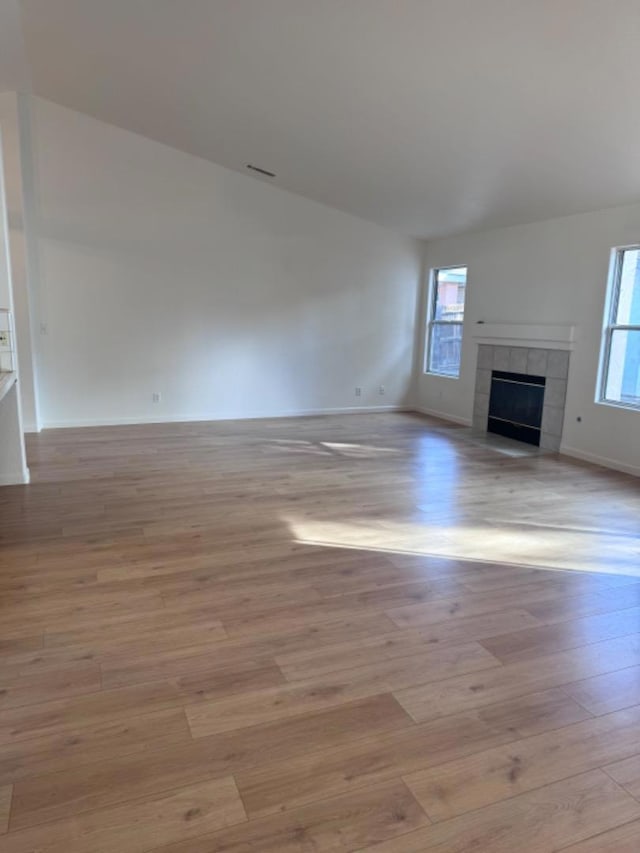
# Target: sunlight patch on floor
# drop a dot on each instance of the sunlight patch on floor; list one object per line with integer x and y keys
{"x": 331, "y": 448}
{"x": 537, "y": 546}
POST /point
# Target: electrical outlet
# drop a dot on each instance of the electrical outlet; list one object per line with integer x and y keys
{"x": 381, "y": 389}
{"x": 156, "y": 396}
{"x": 4, "y": 339}
{"x": 358, "y": 392}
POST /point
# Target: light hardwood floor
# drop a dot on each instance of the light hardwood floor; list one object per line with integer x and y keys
{"x": 360, "y": 633}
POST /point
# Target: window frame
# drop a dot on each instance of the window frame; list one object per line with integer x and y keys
{"x": 431, "y": 321}
{"x": 610, "y": 326}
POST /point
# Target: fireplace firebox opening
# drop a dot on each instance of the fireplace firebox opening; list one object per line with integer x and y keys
{"x": 515, "y": 406}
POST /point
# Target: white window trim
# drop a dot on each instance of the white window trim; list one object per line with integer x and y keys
{"x": 610, "y": 311}
{"x": 431, "y": 310}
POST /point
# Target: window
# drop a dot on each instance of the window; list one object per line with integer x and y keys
{"x": 446, "y": 315}
{"x": 620, "y": 377}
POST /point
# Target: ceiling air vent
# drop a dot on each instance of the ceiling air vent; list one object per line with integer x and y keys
{"x": 260, "y": 171}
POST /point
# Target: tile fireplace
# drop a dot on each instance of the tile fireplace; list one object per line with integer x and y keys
{"x": 520, "y": 392}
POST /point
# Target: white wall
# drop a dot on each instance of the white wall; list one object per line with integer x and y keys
{"x": 13, "y": 465}
{"x": 161, "y": 272}
{"x": 548, "y": 272}
{"x": 25, "y": 307}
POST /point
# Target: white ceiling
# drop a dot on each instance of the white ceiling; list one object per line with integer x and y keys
{"x": 14, "y": 73}
{"x": 429, "y": 116}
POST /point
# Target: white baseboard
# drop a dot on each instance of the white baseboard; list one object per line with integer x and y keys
{"x": 443, "y": 416}
{"x": 172, "y": 419}
{"x": 603, "y": 461}
{"x": 20, "y": 478}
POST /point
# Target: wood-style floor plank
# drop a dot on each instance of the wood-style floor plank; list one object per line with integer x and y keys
{"x": 137, "y": 826}
{"x": 66, "y": 715}
{"x": 543, "y": 599}
{"x": 609, "y": 692}
{"x": 317, "y": 662}
{"x": 527, "y": 643}
{"x": 59, "y": 753}
{"x": 36, "y": 687}
{"x": 461, "y": 630}
{"x": 627, "y": 773}
{"x": 53, "y": 795}
{"x": 245, "y": 636}
{"x": 452, "y": 695}
{"x": 298, "y": 666}
{"x": 339, "y": 825}
{"x": 162, "y": 630}
{"x": 278, "y": 784}
{"x": 301, "y": 697}
{"x": 21, "y": 644}
{"x": 5, "y": 807}
{"x": 502, "y": 772}
{"x": 541, "y": 821}
{"x": 122, "y": 667}
{"x": 41, "y": 661}
{"x": 622, "y": 839}
{"x": 562, "y": 609}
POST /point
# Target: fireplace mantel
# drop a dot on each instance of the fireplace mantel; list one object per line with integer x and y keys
{"x": 550, "y": 336}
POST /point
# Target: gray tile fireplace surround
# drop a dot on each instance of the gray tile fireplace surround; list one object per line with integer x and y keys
{"x": 551, "y": 363}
